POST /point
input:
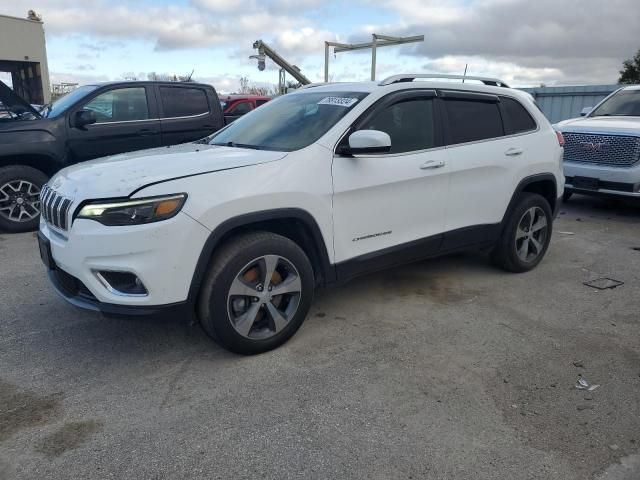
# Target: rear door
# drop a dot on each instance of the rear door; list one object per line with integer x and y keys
{"x": 185, "y": 113}
{"x": 389, "y": 208}
{"x": 485, "y": 155}
{"x": 127, "y": 120}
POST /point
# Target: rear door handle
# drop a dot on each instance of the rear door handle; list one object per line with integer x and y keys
{"x": 432, "y": 164}
{"x": 513, "y": 152}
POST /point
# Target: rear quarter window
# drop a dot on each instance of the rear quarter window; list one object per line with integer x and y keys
{"x": 183, "y": 102}
{"x": 516, "y": 118}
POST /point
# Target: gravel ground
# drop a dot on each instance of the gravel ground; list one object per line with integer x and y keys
{"x": 447, "y": 369}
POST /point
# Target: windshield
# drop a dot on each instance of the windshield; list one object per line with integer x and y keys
{"x": 625, "y": 103}
{"x": 63, "y": 103}
{"x": 290, "y": 122}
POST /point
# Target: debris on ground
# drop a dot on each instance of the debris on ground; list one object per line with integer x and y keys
{"x": 584, "y": 407}
{"x": 583, "y": 384}
{"x": 603, "y": 283}
{"x": 567, "y": 233}
{"x": 578, "y": 364}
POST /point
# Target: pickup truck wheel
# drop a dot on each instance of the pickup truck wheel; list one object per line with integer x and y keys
{"x": 526, "y": 236}
{"x": 257, "y": 292}
{"x": 20, "y": 198}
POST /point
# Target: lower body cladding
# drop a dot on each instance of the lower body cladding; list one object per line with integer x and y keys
{"x": 593, "y": 179}
{"x": 131, "y": 270}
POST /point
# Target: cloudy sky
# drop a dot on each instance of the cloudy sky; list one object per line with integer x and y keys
{"x": 525, "y": 42}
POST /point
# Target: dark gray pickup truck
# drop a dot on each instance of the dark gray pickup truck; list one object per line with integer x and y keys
{"x": 90, "y": 122}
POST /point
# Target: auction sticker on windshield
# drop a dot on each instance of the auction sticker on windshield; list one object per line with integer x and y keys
{"x": 338, "y": 101}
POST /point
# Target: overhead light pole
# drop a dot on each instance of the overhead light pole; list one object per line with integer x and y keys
{"x": 377, "y": 41}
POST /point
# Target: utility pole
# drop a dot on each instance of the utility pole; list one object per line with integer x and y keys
{"x": 377, "y": 41}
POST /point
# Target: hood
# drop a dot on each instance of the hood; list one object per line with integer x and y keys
{"x": 121, "y": 175}
{"x": 14, "y": 102}
{"x": 613, "y": 125}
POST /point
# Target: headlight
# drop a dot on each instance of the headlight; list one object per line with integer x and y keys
{"x": 134, "y": 212}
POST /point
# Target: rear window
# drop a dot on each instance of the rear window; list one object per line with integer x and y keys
{"x": 517, "y": 119}
{"x": 472, "y": 120}
{"x": 183, "y": 102}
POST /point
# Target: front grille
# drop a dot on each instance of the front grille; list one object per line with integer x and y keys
{"x": 54, "y": 207}
{"x": 612, "y": 150}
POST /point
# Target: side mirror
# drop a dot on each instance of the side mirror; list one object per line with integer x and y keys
{"x": 586, "y": 111}
{"x": 365, "y": 142}
{"x": 84, "y": 118}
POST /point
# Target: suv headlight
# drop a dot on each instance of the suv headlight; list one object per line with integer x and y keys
{"x": 134, "y": 212}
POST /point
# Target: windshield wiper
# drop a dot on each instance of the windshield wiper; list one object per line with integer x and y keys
{"x": 237, "y": 145}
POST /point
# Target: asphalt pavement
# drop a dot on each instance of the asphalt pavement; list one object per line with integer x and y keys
{"x": 446, "y": 369}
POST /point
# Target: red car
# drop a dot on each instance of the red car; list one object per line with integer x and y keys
{"x": 234, "y": 106}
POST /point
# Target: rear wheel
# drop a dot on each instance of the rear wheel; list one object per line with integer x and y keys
{"x": 20, "y": 198}
{"x": 526, "y": 236}
{"x": 257, "y": 292}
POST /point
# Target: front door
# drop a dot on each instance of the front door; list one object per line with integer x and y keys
{"x": 126, "y": 121}
{"x": 389, "y": 208}
{"x": 237, "y": 110}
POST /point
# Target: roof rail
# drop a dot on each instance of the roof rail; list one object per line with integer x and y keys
{"x": 313, "y": 85}
{"x": 409, "y": 77}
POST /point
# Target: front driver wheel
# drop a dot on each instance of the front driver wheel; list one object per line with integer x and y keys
{"x": 257, "y": 292}
{"x": 526, "y": 236}
{"x": 20, "y": 198}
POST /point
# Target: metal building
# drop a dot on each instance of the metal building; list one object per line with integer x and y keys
{"x": 560, "y": 103}
{"x": 24, "y": 55}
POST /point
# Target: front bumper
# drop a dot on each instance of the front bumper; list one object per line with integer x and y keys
{"x": 606, "y": 180}
{"x": 162, "y": 255}
{"x": 76, "y": 293}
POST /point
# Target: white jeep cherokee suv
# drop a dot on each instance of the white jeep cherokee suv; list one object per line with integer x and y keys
{"x": 314, "y": 187}
{"x": 602, "y": 150}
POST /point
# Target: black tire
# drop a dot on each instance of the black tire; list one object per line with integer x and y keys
{"x": 566, "y": 195}
{"x": 215, "y": 304}
{"x": 11, "y": 174}
{"x": 505, "y": 254}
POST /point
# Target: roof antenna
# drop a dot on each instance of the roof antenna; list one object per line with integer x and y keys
{"x": 465, "y": 71}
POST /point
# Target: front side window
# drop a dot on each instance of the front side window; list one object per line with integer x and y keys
{"x": 409, "y": 123}
{"x": 183, "y": 102}
{"x": 63, "y": 103}
{"x": 240, "y": 108}
{"x": 289, "y": 122}
{"x": 120, "y": 105}
{"x": 472, "y": 120}
{"x": 517, "y": 119}
{"x": 261, "y": 102}
{"x": 625, "y": 103}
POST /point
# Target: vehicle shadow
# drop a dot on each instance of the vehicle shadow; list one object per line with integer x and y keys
{"x": 602, "y": 207}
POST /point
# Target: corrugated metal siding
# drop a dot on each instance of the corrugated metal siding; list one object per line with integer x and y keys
{"x": 560, "y": 103}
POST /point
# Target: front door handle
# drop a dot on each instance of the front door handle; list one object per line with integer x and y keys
{"x": 145, "y": 132}
{"x": 432, "y": 164}
{"x": 513, "y": 152}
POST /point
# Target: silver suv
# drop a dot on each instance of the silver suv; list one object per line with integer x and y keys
{"x": 602, "y": 149}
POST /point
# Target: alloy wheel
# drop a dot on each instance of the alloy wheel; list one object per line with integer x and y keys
{"x": 264, "y": 297}
{"x": 19, "y": 201}
{"x": 531, "y": 234}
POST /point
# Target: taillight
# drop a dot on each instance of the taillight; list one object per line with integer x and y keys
{"x": 560, "y": 138}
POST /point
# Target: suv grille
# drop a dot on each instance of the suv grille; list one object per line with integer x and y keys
{"x": 613, "y": 150}
{"x": 54, "y": 207}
